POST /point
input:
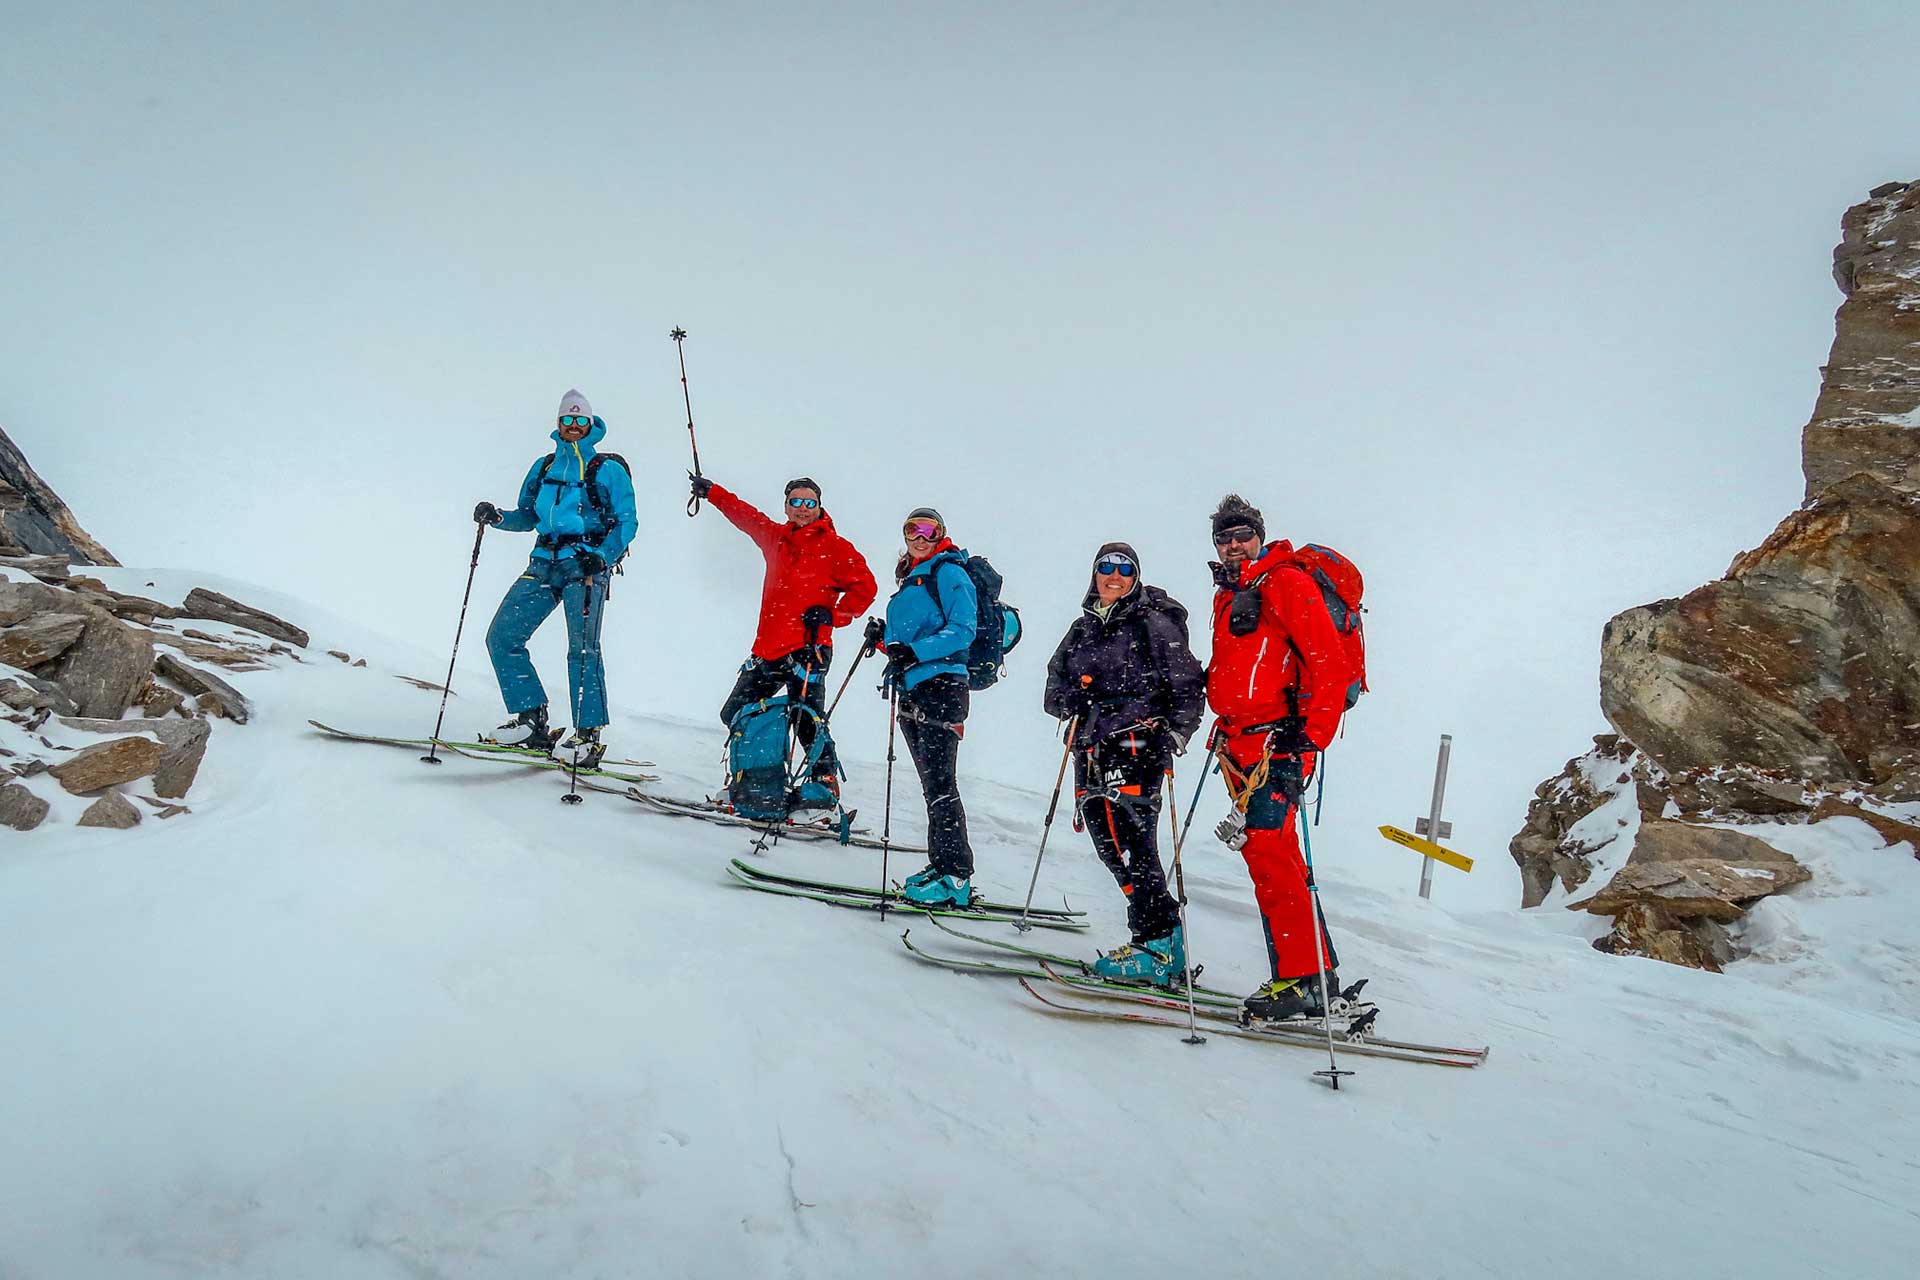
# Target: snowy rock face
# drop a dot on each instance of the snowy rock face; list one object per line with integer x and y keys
{"x": 33, "y": 520}
{"x": 1867, "y": 418}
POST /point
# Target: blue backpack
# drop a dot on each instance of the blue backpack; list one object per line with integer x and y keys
{"x": 759, "y": 785}
{"x": 997, "y": 629}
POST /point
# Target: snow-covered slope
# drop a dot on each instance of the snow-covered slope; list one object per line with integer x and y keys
{"x": 358, "y": 1017}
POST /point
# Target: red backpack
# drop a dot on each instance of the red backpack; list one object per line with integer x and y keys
{"x": 1340, "y": 587}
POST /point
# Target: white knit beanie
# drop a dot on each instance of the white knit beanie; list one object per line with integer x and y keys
{"x": 574, "y": 402}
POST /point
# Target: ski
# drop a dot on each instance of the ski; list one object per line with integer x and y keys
{"x": 707, "y": 811}
{"x": 1364, "y": 1048}
{"x": 966, "y": 966}
{"x": 875, "y": 904}
{"x": 1353, "y": 1023}
{"x": 868, "y": 891}
{"x": 484, "y": 751}
{"x": 1201, "y": 995}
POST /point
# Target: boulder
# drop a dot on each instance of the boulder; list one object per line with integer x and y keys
{"x": 1645, "y": 930}
{"x": 101, "y": 671}
{"x": 1890, "y": 830}
{"x": 23, "y": 692}
{"x": 1804, "y": 660}
{"x": 202, "y": 603}
{"x": 20, "y": 808}
{"x": 1548, "y": 848}
{"x": 108, "y": 764}
{"x": 156, "y": 700}
{"x": 40, "y": 638}
{"x": 1687, "y": 871}
{"x": 33, "y": 518}
{"x": 212, "y": 693}
{"x": 45, "y": 568}
{"x": 185, "y": 742}
{"x": 111, "y": 810}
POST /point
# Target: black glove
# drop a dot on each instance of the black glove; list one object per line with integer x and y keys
{"x": 486, "y": 513}
{"x": 902, "y": 655}
{"x": 1289, "y": 737}
{"x": 816, "y": 617}
{"x": 700, "y": 484}
{"x": 590, "y": 562}
{"x": 876, "y": 632}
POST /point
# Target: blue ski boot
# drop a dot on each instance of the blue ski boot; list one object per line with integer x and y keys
{"x": 940, "y": 891}
{"x": 1161, "y": 962}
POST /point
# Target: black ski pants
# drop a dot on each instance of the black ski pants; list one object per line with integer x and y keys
{"x": 1116, "y": 791}
{"x": 933, "y": 717}
{"x": 760, "y": 678}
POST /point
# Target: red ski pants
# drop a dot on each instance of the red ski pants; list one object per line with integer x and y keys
{"x": 1272, "y": 851}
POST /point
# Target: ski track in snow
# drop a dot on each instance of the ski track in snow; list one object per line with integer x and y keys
{"x": 356, "y": 1017}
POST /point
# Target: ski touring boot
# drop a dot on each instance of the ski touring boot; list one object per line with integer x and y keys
{"x": 1289, "y": 1000}
{"x": 929, "y": 888}
{"x": 582, "y": 749}
{"x": 528, "y": 730}
{"x": 1160, "y": 963}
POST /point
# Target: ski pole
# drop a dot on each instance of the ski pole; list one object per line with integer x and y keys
{"x": 886, "y": 821}
{"x": 433, "y": 747}
{"x": 1193, "y": 1035}
{"x": 858, "y": 658}
{"x": 1333, "y": 1072}
{"x": 679, "y": 337}
{"x": 587, "y": 637}
{"x": 1046, "y": 828}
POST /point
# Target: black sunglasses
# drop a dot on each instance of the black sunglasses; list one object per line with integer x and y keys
{"x": 1125, "y": 568}
{"x": 1239, "y": 533}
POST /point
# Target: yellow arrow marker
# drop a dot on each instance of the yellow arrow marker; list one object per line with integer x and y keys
{"x": 1437, "y": 852}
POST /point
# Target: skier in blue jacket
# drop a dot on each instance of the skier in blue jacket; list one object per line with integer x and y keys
{"x": 581, "y": 503}
{"x": 930, "y": 625}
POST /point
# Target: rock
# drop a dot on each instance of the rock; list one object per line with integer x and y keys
{"x": 45, "y": 568}
{"x": 23, "y": 692}
{"x": 1645, "y": 930}
{"x": 1804, "y": 660}
{"x": 360, "y": 662}
{"x": 139, "y": 608}
{"x": 1867, "y": 417}
{"x": 1687, "y": 870}
{"x": 103, "y": 670}
{"x": 202, "y": 603}
{"x": 1737, "y": 793}
{"x": 344, "y": 657}
{"x": 157, "y": 700}
{"x": 1548, "y": 848}
{"x": 111, "y": 810}
{"x": 417, "y": 682}
{"x": 185, "y": 742}
{"x": 1891, "y": 830}
{"x": 33, "y": 517}
{"x": 220, "y": 654}
{"x": 108, "y": 764}
{"x": 213, "y": 693}
{"x": 20, "y": 808}
{"x": 40, "y": 638}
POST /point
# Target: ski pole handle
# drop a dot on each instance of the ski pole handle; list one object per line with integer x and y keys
{"x": 679, "y": 337}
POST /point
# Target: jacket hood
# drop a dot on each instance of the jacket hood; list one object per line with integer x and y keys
{"x": 1126, "y": 601}
{"x": 588, "y": 441}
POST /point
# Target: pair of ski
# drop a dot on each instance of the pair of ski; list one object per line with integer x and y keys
{"x": 1058, "y": 975}
{"x": 869, "y": 898}
{"x": 825, "y": 827}
{"x": 483, "y": 750}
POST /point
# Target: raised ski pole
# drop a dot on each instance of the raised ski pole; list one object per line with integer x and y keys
{"x": 1046, "y": 828}
{"x": 1333, "y": 1072}
{"x": 679, "y": 337}
{"x": 886, "y": 819}
{"x": 587, "y": 637}
{"x": 446, "y": 689}
{"x": 1193, "y": 1035}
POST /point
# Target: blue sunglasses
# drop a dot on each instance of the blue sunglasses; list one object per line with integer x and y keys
{"x": 804, "y": 503}
{"x": 1125, "y": 568}
{"x": 575, "y": 420}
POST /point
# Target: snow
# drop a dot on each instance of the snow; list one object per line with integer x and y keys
{"x": 358, "y": 1017}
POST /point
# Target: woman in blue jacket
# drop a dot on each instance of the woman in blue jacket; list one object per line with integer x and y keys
{"x": 929, "y": 629}
{"x": 581, "y": 503}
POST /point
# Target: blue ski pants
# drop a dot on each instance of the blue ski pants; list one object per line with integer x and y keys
{"x": 534, "y": 595}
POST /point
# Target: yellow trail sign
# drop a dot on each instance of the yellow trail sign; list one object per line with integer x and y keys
{"x": 1438, "y": 853}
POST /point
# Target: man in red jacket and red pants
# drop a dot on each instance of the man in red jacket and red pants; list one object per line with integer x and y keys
{"x": 1277, "y": 682}
{"x": 816, "y": 581}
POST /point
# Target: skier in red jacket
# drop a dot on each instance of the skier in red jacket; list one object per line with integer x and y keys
{"x": 816, "y": 581}
{"x": 1277, "y": 682}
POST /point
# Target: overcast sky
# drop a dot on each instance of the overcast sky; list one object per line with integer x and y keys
{"x": 1523, "y": 309}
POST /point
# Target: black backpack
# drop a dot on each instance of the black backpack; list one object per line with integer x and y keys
{"x": 997, "y": 628}
{"x": 603, "y": 516}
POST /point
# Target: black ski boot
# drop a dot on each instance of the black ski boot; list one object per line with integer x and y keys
{"x": 582, "y": 749}
{"x": 1289, "y": 999}
{"x": 528, "y": 730}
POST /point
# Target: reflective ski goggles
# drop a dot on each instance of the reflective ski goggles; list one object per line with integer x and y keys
{"x": 921, "y": 529}
{"x": 805, "y": 504}
{"x": 575, "y": 420}
{"x": 1117, "y": 564}
{"x": 1239, "y": 533}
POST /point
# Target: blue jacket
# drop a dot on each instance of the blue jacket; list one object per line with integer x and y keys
{"x": 559, "y": 506}
{"x": 940, "y": 639}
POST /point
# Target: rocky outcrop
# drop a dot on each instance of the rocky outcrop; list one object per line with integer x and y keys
{"x": 211, "y": 605}
{"x": 40, "y": 639}
{"x": 1764, "y": 696}
{"x": 104, "y": 668}
{"x": 33, "y": 518}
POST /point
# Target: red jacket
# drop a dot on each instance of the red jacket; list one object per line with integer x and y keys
{"x": 805, "y": 567}
{"x": 1293, "y": 648}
